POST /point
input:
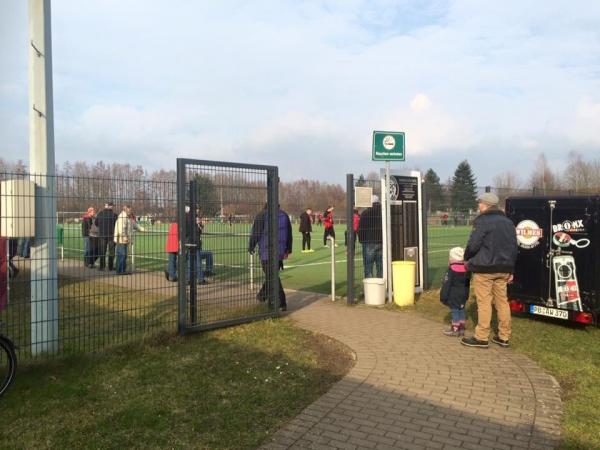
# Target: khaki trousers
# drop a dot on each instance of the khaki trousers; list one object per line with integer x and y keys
{"x": 490, "y": 288}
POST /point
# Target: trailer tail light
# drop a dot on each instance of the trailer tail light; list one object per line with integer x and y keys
{"x": 516, "y": 306}
{"x": 583, "y": 317}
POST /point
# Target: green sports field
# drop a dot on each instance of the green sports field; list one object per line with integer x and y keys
{"x": 306, "y": 271}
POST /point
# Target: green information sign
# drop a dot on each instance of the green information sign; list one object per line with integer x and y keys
{"x": 388, "y": 146}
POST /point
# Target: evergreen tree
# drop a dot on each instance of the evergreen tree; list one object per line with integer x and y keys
{"x": 207, "y": 196}
{"x": 433, "y": 191}
{"x": 464, "y": 189}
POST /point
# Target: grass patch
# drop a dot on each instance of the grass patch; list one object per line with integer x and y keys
{"x": 225, "y": 389}
{"x": 571, "y": 353}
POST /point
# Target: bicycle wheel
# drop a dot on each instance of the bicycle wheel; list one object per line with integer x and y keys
{"x": 8, "y": 364}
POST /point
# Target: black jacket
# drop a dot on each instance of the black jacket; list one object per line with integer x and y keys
{"x": 492, "y": 246}
{"x": 105, "y": 220}
{"x": 305, "y": 223}
{"x": 369, "y": 225}
{"x": 455, "y": 288}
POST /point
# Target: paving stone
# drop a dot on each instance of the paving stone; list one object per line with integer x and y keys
{"x": 412, "y": 388}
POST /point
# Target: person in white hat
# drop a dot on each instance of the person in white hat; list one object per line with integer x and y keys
{"x": 455, "y": 291}
{"x": 491, "y": 254}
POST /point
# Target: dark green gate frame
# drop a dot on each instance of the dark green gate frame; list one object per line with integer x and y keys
{"x": 190, "y": 316}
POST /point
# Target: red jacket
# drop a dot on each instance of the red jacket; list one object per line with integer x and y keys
{"x": 328, "y": 220}
{"x": 172, "y": 245}
{"x": 355, "y": 221}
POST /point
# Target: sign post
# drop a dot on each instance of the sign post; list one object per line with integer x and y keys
{"x": 388, "y": 146}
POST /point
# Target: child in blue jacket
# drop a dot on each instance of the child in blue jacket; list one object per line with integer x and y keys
{"x": 455, "y": 291}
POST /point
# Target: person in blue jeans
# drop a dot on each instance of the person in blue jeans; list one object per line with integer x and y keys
{"x": 201, "y": 255}
{"x": 455, "y": 291}
{"x": 371, "y": 238}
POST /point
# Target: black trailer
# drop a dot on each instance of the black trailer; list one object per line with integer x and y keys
{"x": 558, "y": 266}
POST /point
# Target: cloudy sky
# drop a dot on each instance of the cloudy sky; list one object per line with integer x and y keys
{"x": 303, "y": 84}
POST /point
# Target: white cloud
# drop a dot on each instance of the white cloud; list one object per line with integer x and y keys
{"x": 420, "y": 103}
{"x": 272, "y": 80}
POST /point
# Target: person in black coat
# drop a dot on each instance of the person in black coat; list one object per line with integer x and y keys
{"x": 455, "y": 291}
{"x": 105, "y": 221}
{"x": 306, "y": 229}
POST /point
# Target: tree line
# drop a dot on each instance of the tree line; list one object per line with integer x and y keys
{"x": 79, "y": 183}
{"x": 459, "y": 193}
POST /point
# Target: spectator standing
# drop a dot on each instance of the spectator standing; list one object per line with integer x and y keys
{"x": 455, "y": 291}
{"x": 328, "y": 224}
{"x": 260, "y": 236}
{"x": 86, "y": 223}
{"x": 306, "y": 230}
{"x": 123, "y": 235}
{"x": 105, "y": 220}
{"x": 172, "y": 248}
{"x": 491, "y": 254}
{"x": 202, "y": 255}
{"x": 94, "y": 237}
{"x": 371, "y": 237}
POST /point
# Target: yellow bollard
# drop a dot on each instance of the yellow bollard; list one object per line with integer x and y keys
{"x": 403, "y": 282}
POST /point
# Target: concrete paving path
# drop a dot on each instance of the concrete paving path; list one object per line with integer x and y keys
{"x": 413, "y": 388}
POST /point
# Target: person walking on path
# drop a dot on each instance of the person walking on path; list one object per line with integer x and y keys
{"x": 86, "y": 223}
{"x": 455, "y": 291}
{"x": 306, "y": 229}
{"x": 491, "y": 254}
{"x": 260, "y": 236}
{"x": 371, "y": 237}
{"x": 328, "y": 224}
{"x": 105, "y": 220}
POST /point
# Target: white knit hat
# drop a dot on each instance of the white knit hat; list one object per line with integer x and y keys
{"x": 457, "y": 253}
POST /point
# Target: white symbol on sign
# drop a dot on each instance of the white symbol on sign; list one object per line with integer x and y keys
{"x": 389, "y": 142}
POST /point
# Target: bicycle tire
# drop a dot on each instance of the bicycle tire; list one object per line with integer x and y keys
{"x": 8, "y": 364}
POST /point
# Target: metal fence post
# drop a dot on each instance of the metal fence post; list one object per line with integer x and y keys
{"x": 273, "y": 238}
{"x": 425, "y": 249}
{"x": 350, "y": 239}
{"x": 192, "y": 250}
{"x": 181, "y": 260}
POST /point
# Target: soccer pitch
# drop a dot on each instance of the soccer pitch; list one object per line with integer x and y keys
{"x": 303, "y": 271}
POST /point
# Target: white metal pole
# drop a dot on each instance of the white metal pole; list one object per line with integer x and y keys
{"x": 133, "y": 255}
{"x": 44, "y": 273}
{"x": 388, "y": 227}
{"x": 251, "y": 271}
{"x": 332, "y": 267}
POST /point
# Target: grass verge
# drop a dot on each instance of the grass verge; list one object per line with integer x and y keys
{"x": 226, "y": 389}
{"x": 569, "y": 352}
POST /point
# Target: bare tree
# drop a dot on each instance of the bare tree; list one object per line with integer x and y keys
{"x": 543, "y": 179}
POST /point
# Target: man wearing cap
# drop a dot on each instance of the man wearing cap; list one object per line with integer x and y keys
{"x": 370, "y": 236}
{"x": 491, "y": 254}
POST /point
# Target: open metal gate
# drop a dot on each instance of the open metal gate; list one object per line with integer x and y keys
{"x": 219, "y": 276}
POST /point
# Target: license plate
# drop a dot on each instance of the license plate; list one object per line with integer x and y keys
{"x": 549, "y": 312}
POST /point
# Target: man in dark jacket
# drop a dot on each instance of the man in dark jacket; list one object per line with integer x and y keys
{"x": 491, "y": 254}
{"x": 105, "y": 221}
{"x": 306, "y": 229}
{"x": 370, "y": 236}
{"x": 260, "y": 236}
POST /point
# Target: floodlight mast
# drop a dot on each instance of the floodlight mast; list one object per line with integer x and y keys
{"x": 44, "y": 273}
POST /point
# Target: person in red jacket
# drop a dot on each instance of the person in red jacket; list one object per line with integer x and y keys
{"x": 172, "y": 247}
{"x": 328, "y": 224}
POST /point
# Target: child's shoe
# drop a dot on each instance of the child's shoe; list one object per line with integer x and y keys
{"x": 453, "y": 331}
